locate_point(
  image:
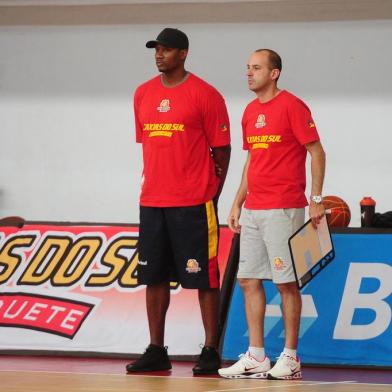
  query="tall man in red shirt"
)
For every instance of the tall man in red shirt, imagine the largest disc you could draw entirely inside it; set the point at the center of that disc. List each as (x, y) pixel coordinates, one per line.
(278, 131)
(183, 126)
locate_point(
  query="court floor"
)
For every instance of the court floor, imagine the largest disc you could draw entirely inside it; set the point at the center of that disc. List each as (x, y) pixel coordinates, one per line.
(60, 374)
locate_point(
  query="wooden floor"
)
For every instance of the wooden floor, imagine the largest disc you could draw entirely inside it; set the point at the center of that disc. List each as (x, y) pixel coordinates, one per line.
(45, 374)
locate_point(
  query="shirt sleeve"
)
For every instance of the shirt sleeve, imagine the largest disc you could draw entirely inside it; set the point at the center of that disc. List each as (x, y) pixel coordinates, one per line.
(302, 123)
(138, 125)
(245, 144)
(215, 119)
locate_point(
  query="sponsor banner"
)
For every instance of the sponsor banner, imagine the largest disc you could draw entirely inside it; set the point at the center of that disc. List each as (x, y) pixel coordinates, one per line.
(74, 288)
(42, 313)
(347, 308)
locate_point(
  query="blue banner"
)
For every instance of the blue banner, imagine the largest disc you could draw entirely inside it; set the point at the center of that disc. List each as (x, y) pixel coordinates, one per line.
(347, 308)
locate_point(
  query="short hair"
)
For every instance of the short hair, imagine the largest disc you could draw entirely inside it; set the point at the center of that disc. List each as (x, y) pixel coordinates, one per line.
(273, 57)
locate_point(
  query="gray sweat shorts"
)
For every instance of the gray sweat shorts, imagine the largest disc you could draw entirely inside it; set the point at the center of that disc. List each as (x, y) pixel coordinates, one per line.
(264, 249)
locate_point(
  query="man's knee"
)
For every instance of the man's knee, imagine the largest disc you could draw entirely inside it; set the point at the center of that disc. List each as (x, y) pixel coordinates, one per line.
(249, 285)
(288, 288)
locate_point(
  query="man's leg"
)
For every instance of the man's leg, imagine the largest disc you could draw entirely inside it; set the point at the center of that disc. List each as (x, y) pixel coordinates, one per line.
(157, 303)
(291, 306)
(288, 366)
(254, 298)
(155, 357)
(253, 268)
(154, 255)
(209, 360)
(281, 225)
(209, 307)
(193, 235)
(254, 363)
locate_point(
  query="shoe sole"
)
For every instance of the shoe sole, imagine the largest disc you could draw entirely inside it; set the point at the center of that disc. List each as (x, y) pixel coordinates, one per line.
(295, 376)
(247, 375)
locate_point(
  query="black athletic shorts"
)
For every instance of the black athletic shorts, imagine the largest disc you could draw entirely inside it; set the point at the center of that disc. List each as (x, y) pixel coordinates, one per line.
(179, 244)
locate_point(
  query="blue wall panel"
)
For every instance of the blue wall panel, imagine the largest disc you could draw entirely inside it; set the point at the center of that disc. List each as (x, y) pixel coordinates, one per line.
(346, 317)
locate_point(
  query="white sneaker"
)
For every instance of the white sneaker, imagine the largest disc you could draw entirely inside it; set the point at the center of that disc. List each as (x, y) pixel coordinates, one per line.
(247, 367)
(286, 368)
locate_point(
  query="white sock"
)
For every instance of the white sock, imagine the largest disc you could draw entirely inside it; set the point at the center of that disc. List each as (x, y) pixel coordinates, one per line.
(257, 353)
(289, 351)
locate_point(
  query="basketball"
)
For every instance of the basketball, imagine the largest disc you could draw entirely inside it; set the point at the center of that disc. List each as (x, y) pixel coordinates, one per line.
(337, 211)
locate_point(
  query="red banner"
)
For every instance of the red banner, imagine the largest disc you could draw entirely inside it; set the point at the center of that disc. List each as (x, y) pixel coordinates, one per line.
(79, 282)
(47, 314)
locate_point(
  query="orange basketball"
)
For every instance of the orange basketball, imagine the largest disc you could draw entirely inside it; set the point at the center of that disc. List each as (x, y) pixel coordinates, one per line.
(337, 211)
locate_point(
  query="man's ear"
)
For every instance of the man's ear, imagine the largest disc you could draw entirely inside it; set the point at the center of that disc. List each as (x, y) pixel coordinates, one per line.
(275, 73)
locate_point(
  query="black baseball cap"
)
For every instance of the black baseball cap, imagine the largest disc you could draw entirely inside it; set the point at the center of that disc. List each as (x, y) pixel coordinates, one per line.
(172, 38)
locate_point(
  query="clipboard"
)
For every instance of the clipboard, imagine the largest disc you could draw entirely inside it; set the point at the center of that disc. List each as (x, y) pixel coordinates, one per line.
(311, 251)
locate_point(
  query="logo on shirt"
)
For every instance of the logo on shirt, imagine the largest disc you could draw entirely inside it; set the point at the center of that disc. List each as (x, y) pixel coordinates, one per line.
(263, 141)
(223, 128)
(260, 123)
(311, 124)
(192, 266)
(164, 106)
(163, 129)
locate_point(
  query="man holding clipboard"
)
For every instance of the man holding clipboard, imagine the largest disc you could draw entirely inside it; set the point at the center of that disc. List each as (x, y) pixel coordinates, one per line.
(278, 132)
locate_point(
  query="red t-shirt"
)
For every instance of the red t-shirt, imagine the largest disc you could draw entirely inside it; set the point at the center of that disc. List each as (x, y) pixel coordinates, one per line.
(275, 133)
(177, 127)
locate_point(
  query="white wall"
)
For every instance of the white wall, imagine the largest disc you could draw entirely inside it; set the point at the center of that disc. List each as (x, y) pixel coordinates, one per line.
(67, 148)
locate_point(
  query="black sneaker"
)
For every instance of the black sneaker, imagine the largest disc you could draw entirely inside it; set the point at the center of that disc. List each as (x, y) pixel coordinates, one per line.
(209, 361)
(154, 358)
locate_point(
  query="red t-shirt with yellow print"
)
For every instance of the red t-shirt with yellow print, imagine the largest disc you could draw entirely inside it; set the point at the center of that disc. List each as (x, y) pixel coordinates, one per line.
(275, 133)
(177, 126)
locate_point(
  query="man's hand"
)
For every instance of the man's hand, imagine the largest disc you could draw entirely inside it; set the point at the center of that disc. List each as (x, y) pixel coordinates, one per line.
(221, 157)
(316, 212)
(234, 220)
(218, 170)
